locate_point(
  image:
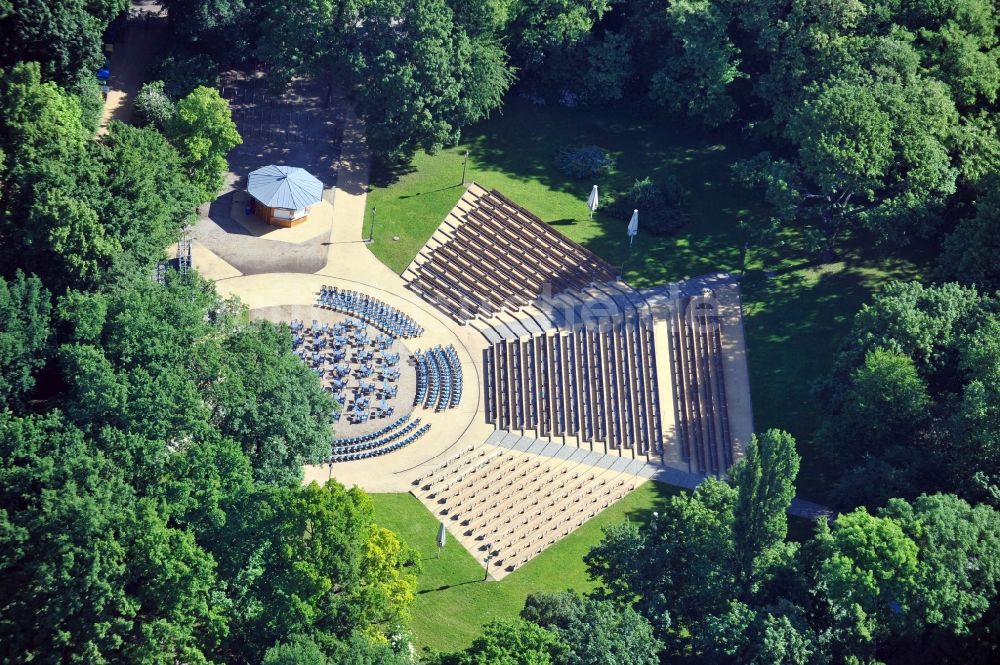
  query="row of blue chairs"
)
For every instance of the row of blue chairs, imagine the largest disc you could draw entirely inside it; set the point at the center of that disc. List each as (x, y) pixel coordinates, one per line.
(455, 369)
(384, 317)
(439, 378)
(386, 439)
(373, 435)
(376, 452)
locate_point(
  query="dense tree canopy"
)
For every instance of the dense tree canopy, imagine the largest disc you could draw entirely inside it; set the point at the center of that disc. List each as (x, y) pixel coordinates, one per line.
(176, 363)
(24, 335)
(419, 76)
(596, 631)
(511, 642)
(64, 35)
(912, 397)
(867, 588)
(98, 568)
(152, 436)
(203, 132)
(92, 573)
(309, 560)
(971, 250)
(92, 213)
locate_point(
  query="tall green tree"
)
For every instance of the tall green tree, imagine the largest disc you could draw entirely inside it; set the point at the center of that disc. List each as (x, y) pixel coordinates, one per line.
(867, 154)
(175, 363)
(510, 642)
(974, 426)
(88, 573)
(147, 198)
(203, 132)
(413, 71)
(696, 73)
(679, 569)
(958, 559)
(765, 485)
(970, 251)
(25, 330)
(542, 31)
(911, 404)
(263, 396)
(43, 144)
(83, 214)
(609, 68)
(770, 636)
(310, 560)
(869, 573)
(221, 29)
(423, 82)
(882, 408)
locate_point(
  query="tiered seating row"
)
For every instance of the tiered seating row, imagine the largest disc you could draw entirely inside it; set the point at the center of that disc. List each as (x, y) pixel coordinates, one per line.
(500, 256)
(375, 312)
(699, 387)
(594, 384)
(439, 378)
(515, 505)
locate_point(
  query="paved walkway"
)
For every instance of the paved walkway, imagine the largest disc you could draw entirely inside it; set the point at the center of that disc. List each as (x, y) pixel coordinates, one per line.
(349, 264)
(248, 245)
(146, 28)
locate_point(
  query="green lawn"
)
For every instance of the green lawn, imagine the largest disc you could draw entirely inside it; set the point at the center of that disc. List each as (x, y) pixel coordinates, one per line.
(453, 602)
(794, 320)
(515, 153)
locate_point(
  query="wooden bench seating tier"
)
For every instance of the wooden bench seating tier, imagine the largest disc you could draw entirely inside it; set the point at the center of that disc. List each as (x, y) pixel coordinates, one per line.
(699, 388)
(492, 255)
(595, 384)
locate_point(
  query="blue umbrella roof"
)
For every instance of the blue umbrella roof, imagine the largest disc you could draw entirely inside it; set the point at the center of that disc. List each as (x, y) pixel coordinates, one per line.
(284, 187)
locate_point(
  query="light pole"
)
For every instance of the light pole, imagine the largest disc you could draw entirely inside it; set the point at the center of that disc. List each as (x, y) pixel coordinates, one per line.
(371, 233)
(489, 556)
(465, 163)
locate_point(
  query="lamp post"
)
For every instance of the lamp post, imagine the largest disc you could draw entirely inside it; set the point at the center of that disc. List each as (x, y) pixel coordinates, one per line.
(465, 164)
(489, 557)
(371, 233)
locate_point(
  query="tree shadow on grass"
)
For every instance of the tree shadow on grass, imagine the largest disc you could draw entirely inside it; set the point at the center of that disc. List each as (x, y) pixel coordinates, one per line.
(523, 143)
(795, 322)
(657, 259)
(445, 587)
(663, 493)
(384, 173)
(433, 191)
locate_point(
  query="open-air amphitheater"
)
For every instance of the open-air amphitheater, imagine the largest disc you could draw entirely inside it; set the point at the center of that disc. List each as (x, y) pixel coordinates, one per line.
(533, 388)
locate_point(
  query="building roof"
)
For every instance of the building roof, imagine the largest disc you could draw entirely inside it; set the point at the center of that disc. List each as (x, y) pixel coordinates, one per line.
(284, 187)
